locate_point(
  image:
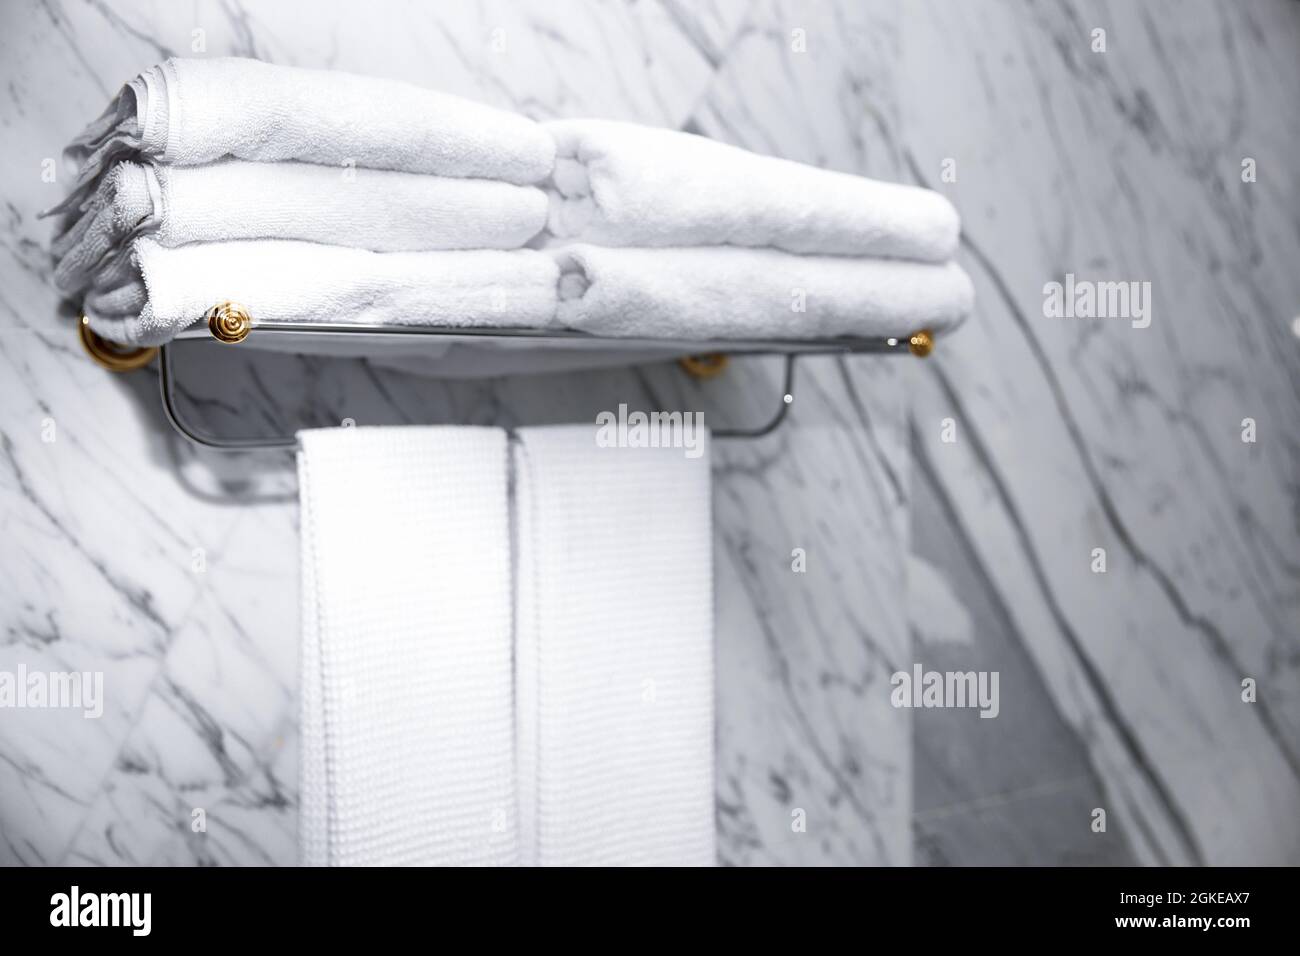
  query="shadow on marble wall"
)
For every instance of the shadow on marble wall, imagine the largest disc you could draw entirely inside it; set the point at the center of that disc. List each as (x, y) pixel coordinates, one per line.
(1016, 790)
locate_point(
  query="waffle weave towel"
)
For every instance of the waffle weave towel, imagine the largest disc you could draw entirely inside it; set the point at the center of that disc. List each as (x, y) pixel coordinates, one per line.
(614, 651)
(407, 729)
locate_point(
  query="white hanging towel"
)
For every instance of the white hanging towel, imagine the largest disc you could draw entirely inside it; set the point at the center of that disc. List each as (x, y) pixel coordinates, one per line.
(621, 184)
(614, 651)
(148, 296)
(407, 728)
(376, 209)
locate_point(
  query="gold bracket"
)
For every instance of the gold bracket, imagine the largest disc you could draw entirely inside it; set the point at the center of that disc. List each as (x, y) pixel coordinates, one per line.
(704, 366)
(921, 343)
(229, 322)
(110, 355)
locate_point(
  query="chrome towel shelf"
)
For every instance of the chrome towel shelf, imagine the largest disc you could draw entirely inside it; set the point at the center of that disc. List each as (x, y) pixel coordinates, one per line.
(514, 350)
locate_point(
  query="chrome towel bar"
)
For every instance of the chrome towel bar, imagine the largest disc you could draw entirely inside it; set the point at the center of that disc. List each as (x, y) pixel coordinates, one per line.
(230, 324)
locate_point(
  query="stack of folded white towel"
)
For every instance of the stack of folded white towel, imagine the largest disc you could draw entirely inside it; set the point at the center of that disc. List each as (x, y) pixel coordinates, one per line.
(304, 195)
(693, 236)
(309, 196)
(507, 646)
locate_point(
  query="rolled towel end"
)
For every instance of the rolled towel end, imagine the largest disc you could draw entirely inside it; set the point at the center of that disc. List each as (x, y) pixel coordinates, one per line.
(573, 283)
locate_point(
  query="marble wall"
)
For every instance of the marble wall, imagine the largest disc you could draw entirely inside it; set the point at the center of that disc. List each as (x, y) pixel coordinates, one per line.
(174, 571)
(1074, 434)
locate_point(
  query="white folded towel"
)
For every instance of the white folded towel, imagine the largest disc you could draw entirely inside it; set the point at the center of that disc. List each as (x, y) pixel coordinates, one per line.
(614, 651)
(620, 184)
(158, 291)
(380, 210)
(186, 112)
(727, 292)
(407, 717)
